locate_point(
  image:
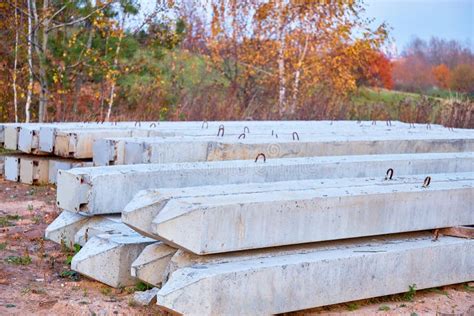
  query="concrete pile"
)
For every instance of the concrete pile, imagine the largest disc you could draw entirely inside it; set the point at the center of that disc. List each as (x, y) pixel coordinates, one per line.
(258, 217)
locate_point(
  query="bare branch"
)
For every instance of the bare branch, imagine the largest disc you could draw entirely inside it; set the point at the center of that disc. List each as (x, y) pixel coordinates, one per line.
(84, 18)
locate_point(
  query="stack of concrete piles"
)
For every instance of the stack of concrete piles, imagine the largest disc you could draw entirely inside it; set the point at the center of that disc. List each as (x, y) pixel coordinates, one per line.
(270, 217)
(40, 150)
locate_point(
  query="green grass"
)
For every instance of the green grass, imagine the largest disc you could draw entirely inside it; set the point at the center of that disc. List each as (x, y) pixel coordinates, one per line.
(6, 221)
(352, 307)
(384, 308)
(69, 274)
(141, 286)
(468, 288)
(72, 253)
(438, 291)
(3, 246)
(17, 260)
(4, 151)
(410, 295)
(366, 98)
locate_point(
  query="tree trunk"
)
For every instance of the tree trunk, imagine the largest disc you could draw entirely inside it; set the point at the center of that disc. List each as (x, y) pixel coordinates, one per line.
(296, 84)
(30, 65)
(15, 63)
(115, 66)
(281, 62)
(41, 52)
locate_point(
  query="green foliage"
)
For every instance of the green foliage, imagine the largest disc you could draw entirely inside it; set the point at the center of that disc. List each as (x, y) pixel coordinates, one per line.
(468, 288)
(384, 308)
(438, 291)
(3, 246)
(18, 260)
(6, 221)
(141, 286)
(410, 295)
(106, 291)
(352, 307)
(73, 275)
(75, 250)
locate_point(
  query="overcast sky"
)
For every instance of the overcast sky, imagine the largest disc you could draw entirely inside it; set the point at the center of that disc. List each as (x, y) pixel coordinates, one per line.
(448, 19)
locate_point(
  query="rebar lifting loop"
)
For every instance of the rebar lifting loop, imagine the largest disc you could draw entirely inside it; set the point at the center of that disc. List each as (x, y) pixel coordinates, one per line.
(261, 155)
(221, 128)
(297, 136)
(246, 129)
(152, 125)
(205, 122)
(427, 182)
(241, 136)
(389, 174)
(138, 123)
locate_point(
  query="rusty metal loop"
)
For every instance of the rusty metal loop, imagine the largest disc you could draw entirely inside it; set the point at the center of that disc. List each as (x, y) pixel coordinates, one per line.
(152, 125)
(138, 123)
(389, 174)
(246, 128)
(297, 136)
(427, 182)
(276, 135)
(221, 128)
(261, 155)
(205, 122)
(242, 136)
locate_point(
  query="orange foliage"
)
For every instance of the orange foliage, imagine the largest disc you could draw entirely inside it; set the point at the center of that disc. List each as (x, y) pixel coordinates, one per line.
(442, 75)
(377, 70)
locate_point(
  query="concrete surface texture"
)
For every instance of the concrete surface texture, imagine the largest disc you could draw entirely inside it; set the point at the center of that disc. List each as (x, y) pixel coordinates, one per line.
(225, 223)
(108, 257)
(64, 164)
(152, 263)
(12, 168)
(147, 204)
(34, 170)
(71, 228)
(347, 272)
(94, 190)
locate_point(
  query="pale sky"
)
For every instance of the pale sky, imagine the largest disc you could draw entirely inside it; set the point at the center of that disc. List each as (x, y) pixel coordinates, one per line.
(447, 19)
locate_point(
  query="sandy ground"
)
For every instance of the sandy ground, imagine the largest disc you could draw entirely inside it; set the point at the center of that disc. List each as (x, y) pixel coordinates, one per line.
(31, 268)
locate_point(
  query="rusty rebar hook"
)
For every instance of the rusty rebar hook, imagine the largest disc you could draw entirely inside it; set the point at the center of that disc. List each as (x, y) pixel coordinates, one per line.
(152, 125)
(297, 136)
(241, 136)
(427, 182)
(138, 123)
(221, 128)
(246, 128)
(205, 122)
(261, 155)
(389, 174)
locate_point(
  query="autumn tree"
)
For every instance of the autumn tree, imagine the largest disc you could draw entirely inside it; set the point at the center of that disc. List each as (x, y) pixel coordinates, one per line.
(291, 47)
(441, 75)
(462, 78)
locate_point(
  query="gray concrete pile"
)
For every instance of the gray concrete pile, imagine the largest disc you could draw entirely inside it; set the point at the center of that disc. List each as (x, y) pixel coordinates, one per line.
(257, 217)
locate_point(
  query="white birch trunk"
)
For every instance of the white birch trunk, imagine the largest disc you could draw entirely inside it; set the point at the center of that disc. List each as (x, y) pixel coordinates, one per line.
(117, 52)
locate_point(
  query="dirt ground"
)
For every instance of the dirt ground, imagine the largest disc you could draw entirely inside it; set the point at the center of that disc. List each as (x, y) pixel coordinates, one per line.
(35, 279)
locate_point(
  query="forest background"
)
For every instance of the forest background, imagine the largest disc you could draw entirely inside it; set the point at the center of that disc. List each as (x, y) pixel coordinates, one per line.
(93, 60)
